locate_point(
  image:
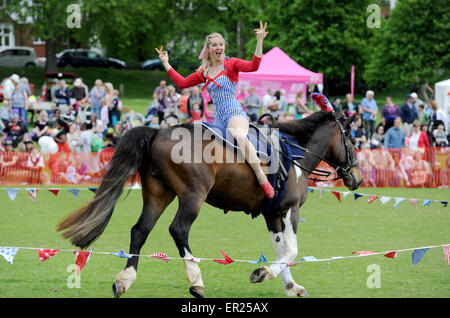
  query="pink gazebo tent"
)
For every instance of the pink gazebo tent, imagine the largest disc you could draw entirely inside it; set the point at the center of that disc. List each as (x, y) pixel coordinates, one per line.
(278, 71)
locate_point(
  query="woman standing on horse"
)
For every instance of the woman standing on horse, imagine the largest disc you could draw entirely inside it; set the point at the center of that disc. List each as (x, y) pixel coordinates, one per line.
(220, 75)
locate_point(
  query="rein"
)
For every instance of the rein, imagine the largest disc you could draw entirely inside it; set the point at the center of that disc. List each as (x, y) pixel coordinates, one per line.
(341, 172)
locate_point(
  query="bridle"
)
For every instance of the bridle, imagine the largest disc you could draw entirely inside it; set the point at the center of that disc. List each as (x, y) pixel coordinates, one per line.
(342, 172)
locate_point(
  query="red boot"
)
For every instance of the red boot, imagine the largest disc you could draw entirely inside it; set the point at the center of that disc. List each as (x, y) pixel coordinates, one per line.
(268, 189)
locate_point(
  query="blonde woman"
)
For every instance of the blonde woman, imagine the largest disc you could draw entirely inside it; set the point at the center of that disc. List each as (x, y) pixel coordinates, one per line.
(220, 75)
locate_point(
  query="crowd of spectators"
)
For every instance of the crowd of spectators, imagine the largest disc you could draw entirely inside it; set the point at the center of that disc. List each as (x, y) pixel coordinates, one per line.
(85, 124)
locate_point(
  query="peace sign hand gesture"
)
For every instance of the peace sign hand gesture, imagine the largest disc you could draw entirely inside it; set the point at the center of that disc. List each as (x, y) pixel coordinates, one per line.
(163, 55)
(261, 32)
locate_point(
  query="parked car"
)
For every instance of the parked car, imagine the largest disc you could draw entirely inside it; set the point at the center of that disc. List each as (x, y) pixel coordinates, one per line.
(18, 56)
(86, 58)
(153, 64)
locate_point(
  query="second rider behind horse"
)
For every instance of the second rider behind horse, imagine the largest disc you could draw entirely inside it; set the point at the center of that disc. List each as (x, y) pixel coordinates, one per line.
(220, 75)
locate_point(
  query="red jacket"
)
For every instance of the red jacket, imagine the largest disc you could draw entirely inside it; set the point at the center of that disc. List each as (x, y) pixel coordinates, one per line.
(423, 140)
(232, 67)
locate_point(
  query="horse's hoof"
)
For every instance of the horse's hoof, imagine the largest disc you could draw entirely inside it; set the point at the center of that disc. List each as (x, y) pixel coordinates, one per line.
(118, 289)
(302, 293)
(258, 275)
(197, 291)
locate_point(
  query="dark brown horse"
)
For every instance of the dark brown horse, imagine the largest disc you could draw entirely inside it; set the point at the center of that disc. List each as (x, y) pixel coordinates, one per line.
(155, 155)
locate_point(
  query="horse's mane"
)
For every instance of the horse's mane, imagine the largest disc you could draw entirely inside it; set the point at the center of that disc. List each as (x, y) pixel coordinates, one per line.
(305, 127)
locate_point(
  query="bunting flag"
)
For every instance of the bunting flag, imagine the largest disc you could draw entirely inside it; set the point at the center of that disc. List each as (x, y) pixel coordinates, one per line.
(357, 196)
(92, 189)
(45, 254)
(8, 253)
(32, 193)
(344, 194)
(417, 255)
(81, 259)
(385, 200)
(74, 192)
(161, 256)
(397, 202)
(372, 198)
(12, 193)
(391, 254)
(446, 249)
(427, 202)
(54, 191)
(337, 195)
(309, 259)
(363, 252)
(226, 261)
(262, 259)
(122, 254)
(413, 202)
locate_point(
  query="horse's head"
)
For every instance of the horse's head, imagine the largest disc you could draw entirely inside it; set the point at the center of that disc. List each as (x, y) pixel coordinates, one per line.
(341, 152)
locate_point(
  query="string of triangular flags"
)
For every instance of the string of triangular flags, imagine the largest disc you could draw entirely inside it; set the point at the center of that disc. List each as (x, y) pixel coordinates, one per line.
(33, 192)
(83, 257)
(341, 195)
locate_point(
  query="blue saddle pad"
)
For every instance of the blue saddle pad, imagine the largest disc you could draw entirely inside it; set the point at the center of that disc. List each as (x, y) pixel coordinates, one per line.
(290, 149)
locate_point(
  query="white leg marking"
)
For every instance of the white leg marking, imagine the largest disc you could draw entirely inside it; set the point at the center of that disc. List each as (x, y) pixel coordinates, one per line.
(127, 277)
(194, 276)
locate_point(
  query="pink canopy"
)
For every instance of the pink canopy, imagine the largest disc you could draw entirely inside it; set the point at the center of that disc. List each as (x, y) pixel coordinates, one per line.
(279, 72)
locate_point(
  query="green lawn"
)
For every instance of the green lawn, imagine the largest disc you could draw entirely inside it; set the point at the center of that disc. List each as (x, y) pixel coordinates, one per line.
(331, 229)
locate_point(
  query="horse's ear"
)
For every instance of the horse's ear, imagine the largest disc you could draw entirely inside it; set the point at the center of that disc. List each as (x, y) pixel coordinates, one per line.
(348, 121)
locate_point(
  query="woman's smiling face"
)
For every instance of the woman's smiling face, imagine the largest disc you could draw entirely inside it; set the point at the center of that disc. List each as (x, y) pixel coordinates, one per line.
(217, 49)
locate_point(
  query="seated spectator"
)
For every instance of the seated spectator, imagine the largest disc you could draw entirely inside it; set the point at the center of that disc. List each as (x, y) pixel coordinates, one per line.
(357, 132)
(26, 144)
(52, 120)
(377, 137)
(420, 171)
(79, 90)
(154, 122)
(437, 117)
(35, 164)
(384, 166)
(405, 165)
(62, 94)
(60, 135)
(349, 107)
(8, 158)
(418, 139)
(195, 99)
(367, 165)
(252, 103)
(431, 139)
(440, 136)
(41, 127)
(15, 129)
(395, 136)
(183, 105)
(389, 112)
(196, 114)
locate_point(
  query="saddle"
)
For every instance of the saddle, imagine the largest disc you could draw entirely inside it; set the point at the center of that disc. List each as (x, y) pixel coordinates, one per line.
(277, 148)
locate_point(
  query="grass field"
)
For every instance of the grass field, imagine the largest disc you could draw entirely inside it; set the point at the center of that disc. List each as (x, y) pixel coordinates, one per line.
(331, 229)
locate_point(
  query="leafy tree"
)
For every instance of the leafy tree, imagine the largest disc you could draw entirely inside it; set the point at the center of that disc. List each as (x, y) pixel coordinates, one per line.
(327, 36)
(413, 43)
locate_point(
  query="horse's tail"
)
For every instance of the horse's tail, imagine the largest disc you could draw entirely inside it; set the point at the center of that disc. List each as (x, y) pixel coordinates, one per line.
(87, 223)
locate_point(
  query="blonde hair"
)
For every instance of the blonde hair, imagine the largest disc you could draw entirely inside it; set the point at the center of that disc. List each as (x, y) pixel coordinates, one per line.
(109, 87)
(207, 60)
